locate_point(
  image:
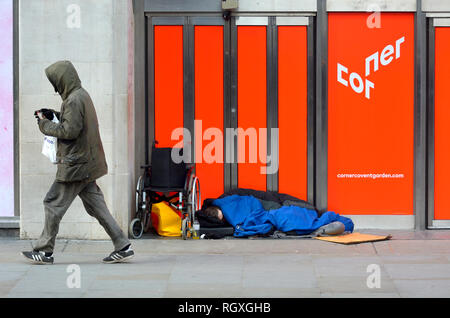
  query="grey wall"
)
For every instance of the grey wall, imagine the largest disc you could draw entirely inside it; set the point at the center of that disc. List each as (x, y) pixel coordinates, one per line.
(98, 47)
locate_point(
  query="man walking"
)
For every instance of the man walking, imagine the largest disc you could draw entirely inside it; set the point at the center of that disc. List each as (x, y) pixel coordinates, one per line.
(80, 159)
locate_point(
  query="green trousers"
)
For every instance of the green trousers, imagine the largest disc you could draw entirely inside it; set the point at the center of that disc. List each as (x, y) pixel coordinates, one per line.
(60, 197)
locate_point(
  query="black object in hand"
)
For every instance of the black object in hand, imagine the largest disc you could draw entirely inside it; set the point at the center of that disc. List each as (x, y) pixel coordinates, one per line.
(47, 113)
(36, 115)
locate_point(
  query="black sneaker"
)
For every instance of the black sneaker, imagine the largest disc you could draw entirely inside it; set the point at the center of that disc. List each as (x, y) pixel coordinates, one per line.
(36, 257)
(120, 256)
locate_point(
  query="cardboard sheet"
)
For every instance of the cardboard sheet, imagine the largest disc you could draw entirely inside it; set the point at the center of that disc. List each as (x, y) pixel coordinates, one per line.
(354, 238)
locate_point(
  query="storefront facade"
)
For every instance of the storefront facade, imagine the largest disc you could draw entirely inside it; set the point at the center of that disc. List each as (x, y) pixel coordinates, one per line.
(346, 91)
(337, 102)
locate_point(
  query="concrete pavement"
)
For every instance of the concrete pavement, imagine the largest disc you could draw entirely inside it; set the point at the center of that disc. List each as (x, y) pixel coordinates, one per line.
(411, 264)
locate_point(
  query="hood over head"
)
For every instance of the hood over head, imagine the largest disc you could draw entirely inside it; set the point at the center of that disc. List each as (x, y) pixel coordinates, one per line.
(63, 77)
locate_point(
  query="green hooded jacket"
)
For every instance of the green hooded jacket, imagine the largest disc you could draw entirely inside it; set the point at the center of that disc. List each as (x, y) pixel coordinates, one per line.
(80, 155)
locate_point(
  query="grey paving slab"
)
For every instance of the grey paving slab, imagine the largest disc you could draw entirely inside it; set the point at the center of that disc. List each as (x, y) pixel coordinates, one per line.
(276, 260)
(329, 248)
(418, 271)
(437, 234)
(54, 283)
(45, 294)
(419, 247)
(412, 264)
(93, 246)
(155, 287)
(359, 295)
(414, 259)
(6, 277)
(14, 264)
(125, 294)
(16, 245)
(205, 290)
(302, 277)
(280, 292)
(355, 284)
(199, 275)
(344, 266)
(8, 280)
(426, 288)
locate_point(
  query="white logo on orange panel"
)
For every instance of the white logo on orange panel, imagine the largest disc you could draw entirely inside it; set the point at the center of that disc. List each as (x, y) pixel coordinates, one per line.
(360, 84)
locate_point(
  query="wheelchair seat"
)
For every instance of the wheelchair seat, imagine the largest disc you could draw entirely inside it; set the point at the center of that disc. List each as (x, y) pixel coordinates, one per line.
(165, 175)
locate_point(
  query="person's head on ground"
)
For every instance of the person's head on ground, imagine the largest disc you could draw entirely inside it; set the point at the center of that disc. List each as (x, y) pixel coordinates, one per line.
(214, 212)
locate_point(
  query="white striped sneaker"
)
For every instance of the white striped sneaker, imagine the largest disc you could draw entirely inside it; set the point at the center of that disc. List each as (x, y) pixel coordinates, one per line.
(38, 257)
(119, 256)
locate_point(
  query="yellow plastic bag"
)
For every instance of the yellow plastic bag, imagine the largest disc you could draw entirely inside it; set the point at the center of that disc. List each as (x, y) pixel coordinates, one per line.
(166, 220)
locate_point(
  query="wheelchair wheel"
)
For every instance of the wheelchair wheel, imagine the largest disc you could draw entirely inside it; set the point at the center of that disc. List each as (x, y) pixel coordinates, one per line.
(136, 228)
(139, 193)
(143, 206)
(193, 204)
(196, 196)
(195, 199)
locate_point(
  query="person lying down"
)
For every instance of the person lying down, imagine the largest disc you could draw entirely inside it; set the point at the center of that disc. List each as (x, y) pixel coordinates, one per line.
(252, 212)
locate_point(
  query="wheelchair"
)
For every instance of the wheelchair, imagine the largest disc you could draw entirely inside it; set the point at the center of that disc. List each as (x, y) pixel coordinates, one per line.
(166, 181)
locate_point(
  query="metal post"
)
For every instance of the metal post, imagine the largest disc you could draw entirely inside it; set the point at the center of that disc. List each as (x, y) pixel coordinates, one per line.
(420, 95)
(430, 123)
(311, 109)
(189, 86)
(233, 102)
(272, 97)
(321, 107)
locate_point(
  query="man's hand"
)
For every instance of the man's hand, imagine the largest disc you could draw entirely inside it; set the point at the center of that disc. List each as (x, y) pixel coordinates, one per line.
(38, 115)
(47, 113)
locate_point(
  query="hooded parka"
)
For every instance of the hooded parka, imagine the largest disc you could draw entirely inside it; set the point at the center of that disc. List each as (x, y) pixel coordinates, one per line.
(80, 155)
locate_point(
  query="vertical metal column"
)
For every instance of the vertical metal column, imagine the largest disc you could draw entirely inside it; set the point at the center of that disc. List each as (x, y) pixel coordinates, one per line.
(420, 116)
(321, 184)
(430, 122)
(226, 100)
(311, 109)
(150, 91)
(189, 86)
(233, 103)
(272, 98)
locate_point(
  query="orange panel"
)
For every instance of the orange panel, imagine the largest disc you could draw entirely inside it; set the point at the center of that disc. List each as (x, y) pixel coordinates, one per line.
(371, 129)
(292, 110)
(209, 108)
(252, 105)
(442, 128)
(168, 48)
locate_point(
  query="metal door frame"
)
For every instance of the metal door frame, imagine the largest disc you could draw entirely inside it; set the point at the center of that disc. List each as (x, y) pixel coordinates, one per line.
(432, 22)
(188, 21)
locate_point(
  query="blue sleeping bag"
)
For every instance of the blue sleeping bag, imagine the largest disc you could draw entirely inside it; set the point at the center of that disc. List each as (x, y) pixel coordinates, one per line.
(248, 217)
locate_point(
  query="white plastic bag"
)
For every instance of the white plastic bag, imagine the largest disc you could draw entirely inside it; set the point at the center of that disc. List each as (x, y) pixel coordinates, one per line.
(49, 146)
